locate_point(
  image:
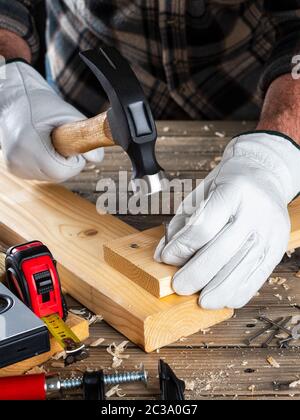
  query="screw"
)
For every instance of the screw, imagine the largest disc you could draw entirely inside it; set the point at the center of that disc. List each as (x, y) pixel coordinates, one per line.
(126, 377)
(54, 383)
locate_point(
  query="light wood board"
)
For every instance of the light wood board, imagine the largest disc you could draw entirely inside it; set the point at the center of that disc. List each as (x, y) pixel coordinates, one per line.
(133, 256)
(75, 233)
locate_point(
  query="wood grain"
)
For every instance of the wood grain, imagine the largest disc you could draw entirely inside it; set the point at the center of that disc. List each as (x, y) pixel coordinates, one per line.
(75, 233)
(133, 256)
(82, 136)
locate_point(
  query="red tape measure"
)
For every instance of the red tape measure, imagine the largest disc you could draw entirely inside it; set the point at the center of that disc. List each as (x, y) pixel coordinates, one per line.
(33, 277)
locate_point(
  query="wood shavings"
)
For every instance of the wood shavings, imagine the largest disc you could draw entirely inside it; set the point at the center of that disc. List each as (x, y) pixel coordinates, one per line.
(219, 134)
(117, 353)
(115, 390)
(294, 384)
(88, 316)
(60, 355)
(166, 129)
(79, 312)
(206, 128)
(251, 388)
(95, 319)
(36, 370)
(58, 365)
(276, 281)
(190, 385)
(281, 336)
(244, 363)
(295, 320)
(272, 362)
(279, 297)
(281, 281)
(204, 332)
(290, 253)
(97, 343)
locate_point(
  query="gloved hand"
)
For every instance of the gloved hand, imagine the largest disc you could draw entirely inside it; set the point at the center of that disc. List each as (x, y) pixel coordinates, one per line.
(230, 242)
(29, 110)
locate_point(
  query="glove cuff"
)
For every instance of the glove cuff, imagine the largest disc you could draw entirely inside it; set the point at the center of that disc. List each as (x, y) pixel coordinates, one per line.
(17, 60)
(276, 152)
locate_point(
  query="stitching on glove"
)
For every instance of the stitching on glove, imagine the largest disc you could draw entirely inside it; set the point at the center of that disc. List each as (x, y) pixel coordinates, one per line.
(53, 157)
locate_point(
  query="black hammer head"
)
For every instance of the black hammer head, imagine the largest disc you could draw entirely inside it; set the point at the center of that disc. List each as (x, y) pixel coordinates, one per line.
(130, 117)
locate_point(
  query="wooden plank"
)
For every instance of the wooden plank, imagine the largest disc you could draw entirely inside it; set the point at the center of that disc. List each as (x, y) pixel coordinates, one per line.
(78, 325)
(75, 233)
(133, 256)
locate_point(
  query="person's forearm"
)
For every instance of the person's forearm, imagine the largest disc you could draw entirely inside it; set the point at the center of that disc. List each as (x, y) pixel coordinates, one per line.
(281, 110)
(13, 46)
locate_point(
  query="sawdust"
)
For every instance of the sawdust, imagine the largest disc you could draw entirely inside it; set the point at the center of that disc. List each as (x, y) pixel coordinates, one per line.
(272, 362)
(116, 351)
(294, 384)
(87, 315)
(115, 390)
(209, 382)
(36, 370)
(295, 320)
(97, 343)
(190, 385)
(95, 319)
(60, 355)
(58, 365)
(219, 134)
(277, 281)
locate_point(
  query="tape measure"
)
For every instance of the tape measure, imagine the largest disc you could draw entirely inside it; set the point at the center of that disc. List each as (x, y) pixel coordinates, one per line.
(32, 276)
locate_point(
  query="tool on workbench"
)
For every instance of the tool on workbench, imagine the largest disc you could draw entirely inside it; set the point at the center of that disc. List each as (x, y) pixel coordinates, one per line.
(171, 388)
(260, 332)
(22, 333)
(128, 123)
(42, 387)
(273, 334)
(31, 274)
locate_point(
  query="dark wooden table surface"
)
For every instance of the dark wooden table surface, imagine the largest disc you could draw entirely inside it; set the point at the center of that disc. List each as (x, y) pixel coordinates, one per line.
(216, 363)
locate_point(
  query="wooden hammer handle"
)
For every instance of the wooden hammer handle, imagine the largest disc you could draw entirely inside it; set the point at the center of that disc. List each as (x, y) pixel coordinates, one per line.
(82, 136)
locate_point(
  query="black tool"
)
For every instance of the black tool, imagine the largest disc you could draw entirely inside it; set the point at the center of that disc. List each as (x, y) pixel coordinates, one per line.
(128, 123)
(22, 333)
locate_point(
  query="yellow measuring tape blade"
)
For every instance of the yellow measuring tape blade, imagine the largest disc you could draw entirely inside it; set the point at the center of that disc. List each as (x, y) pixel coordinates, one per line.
(61, 332)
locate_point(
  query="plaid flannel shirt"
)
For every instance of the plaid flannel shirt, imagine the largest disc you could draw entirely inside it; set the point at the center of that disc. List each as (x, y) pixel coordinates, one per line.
(199, 59)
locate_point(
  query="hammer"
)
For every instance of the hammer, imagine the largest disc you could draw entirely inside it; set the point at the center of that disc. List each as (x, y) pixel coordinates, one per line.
(128, 123)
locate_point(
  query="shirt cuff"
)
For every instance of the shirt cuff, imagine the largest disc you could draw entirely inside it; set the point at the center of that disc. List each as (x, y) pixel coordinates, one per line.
(16, 18)
(280, 62)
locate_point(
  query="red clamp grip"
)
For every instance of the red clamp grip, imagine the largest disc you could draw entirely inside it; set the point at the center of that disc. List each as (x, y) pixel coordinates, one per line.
(23, 388)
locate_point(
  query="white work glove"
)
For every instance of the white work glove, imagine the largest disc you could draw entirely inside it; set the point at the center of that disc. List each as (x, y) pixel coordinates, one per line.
(29, 110)
(230, 243)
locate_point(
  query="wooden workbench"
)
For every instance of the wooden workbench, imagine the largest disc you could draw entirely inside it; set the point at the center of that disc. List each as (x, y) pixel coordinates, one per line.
(218, 362)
